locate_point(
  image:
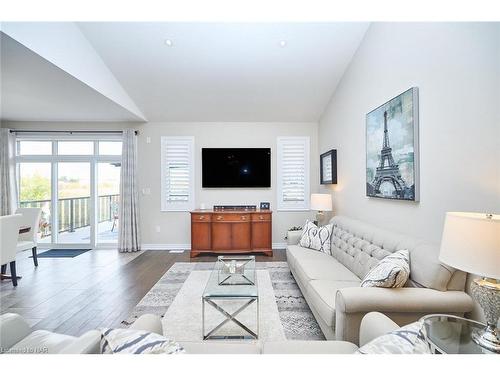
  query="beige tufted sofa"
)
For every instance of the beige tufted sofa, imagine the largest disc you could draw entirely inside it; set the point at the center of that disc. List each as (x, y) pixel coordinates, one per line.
(331, 284)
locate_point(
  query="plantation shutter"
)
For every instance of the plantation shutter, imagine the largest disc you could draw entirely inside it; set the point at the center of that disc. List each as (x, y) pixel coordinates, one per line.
(293, 173)
(177, 173)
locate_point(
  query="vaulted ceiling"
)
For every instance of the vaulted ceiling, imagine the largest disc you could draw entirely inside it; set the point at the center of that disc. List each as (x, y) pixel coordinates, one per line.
(200, 71)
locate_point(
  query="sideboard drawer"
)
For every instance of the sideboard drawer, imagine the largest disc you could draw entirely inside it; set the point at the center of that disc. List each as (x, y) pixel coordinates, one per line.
(232, 217)
(201, 217)
(261, 217)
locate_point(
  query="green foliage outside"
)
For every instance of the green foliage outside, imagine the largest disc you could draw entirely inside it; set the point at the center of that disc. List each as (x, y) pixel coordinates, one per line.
(35, 187)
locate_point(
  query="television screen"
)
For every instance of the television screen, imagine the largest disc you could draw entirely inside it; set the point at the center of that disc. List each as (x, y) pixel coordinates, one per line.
(236, 167)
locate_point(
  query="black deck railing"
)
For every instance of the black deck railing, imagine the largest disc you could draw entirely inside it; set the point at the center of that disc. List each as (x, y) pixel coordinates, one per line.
(74, 213)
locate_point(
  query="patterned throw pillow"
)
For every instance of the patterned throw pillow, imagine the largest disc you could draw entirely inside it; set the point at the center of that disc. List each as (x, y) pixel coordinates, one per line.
(317, 238)
(391, 272)
(130, 341)
(405, 340)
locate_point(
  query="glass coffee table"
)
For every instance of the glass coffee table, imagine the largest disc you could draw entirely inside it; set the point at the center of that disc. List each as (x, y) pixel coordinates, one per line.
(232, 281)
(448, 334)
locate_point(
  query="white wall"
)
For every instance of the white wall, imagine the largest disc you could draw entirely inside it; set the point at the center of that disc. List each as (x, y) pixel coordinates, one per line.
(175, 226)
(457, 70)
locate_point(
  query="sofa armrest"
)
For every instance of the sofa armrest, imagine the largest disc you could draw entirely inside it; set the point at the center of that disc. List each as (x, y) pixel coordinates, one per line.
(148, 322)
(403, 305)
(88, 343)
(13, 328)
(428, 301)
(373, 325)
(293, 237)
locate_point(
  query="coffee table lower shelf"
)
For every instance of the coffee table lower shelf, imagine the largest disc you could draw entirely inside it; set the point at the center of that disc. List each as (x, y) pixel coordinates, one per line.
(230, 317)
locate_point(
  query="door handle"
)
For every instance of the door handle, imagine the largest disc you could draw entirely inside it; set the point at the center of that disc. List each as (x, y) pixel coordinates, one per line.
(219, 217)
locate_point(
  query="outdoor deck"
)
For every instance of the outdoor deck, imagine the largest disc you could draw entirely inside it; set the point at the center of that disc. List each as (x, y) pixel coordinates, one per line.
(82, 235)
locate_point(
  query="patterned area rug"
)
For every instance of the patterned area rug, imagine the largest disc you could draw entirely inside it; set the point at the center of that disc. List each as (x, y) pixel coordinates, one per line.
(296, 317)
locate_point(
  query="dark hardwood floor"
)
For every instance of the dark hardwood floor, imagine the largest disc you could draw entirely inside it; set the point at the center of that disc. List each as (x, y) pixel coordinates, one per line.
(96, 289)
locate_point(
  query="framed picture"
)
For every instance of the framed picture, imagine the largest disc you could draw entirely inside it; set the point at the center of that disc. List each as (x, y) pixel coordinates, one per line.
(328, 167)
(392, 168)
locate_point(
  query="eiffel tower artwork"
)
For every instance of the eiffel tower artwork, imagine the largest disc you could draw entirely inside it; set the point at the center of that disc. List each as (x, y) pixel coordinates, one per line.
(392, 168)
(388, 170)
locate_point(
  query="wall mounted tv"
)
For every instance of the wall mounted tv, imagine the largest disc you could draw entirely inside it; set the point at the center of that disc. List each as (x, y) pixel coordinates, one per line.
(236, 167)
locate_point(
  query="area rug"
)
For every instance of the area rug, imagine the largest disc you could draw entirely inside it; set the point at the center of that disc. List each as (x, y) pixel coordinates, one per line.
(176, 297)
(61, 253)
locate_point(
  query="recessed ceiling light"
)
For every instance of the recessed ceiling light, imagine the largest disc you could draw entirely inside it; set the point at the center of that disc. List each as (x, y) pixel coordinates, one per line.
(282, 43)
(168, 42)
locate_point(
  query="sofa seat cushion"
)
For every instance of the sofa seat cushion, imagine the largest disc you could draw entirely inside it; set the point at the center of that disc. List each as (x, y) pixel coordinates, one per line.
(309, 347)
(315, 265)
(41, 341)
(322, 296)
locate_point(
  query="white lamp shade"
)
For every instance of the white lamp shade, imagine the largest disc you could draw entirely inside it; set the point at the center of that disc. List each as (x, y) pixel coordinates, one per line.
(471, 243)
(321, 202)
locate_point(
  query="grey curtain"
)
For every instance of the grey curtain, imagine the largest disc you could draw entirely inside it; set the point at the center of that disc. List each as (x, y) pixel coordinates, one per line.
(129, 237)
(8, 187)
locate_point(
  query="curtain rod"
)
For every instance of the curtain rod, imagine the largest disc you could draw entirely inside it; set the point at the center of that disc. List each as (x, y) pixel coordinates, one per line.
(72, 131)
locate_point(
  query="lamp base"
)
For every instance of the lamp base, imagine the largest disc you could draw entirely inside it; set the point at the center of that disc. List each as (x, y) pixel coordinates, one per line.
(489, 340)
(319, 218)
(487, 293)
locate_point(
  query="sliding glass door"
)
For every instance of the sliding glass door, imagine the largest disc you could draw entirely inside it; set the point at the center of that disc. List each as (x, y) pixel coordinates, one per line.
(74, 203)
(76, 183)
(35, 190)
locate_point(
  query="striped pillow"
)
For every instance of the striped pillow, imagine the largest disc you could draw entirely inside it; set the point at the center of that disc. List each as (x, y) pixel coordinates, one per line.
(405, 340)
(130, 341)
(317, 238)
(391, 272)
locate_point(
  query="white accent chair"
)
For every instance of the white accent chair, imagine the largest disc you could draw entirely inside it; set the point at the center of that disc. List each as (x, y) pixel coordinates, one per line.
(28, 240)
(9, 231)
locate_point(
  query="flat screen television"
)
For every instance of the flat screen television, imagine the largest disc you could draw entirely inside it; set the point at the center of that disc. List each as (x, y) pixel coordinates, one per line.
(236, 167)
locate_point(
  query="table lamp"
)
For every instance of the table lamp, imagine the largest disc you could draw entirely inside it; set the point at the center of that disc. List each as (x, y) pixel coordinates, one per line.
(471, 243)
(321, 203)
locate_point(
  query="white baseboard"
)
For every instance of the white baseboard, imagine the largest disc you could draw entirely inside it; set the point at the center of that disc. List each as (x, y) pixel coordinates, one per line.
(187, 246)
(166, 246)
(279, 245)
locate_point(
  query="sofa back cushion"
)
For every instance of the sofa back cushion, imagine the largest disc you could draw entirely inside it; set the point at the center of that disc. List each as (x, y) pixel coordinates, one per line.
(360, 246)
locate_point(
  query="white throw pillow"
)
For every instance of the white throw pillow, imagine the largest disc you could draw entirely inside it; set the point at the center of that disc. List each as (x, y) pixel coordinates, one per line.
(391, 272)
(405, 340)
(317, 238)
(132, 341)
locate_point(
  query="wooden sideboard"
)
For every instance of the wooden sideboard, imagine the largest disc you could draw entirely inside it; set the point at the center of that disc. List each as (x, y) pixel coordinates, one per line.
(231, 232)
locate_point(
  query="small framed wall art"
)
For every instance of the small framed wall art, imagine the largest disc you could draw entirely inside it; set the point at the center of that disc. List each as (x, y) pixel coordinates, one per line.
(328, 167)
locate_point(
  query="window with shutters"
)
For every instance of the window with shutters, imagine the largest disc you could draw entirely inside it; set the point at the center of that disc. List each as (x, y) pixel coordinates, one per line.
(293, 173)
(177, 173)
